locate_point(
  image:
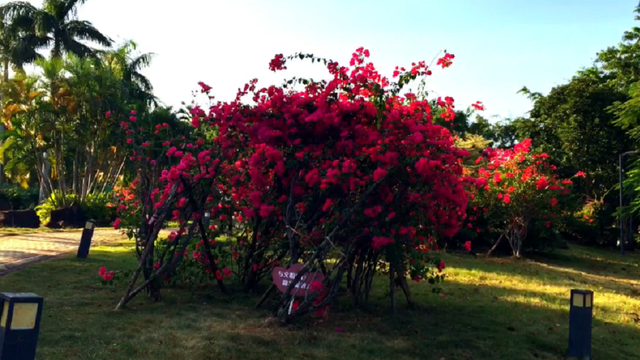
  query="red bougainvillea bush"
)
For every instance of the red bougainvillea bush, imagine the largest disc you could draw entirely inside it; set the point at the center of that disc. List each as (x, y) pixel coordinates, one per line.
(519, 198)
(345, 176)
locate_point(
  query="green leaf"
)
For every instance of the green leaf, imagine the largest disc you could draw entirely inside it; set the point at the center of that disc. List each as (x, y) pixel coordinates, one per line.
(5, 145)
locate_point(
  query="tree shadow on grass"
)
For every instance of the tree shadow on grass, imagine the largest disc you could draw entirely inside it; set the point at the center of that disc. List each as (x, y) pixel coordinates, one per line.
(471, 321)
(468, 323)
(607, 262)
(556, 270)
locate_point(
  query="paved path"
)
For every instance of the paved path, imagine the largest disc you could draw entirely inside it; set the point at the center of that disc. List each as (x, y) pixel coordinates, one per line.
(17, 251)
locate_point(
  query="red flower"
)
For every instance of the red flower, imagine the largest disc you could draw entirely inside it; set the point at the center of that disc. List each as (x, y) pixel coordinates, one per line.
(108, 276)
(313, 177)
(379, 174)
(204, 87)
(327, 205)
(265, 210)
(506, 198)
(554, 202)
(445, 61)
(478, 106)
(580, 174)
(380, 241)
(116, 224)
(374, 211)
(467, 246)
(277, 63)
(542, 183)
(441, 266)
(102, 271)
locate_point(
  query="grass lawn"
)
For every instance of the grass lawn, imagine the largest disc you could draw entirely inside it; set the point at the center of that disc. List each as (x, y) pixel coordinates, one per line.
(491, 309)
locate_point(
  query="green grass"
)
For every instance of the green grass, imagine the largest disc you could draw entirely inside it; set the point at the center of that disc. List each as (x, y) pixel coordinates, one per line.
(491, 309)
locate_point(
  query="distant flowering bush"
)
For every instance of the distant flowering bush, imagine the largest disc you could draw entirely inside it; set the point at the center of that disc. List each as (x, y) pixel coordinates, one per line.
(516, 192)
(346, 176)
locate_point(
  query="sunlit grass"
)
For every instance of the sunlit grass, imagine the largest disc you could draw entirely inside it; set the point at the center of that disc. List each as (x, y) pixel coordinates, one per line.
(489, 309)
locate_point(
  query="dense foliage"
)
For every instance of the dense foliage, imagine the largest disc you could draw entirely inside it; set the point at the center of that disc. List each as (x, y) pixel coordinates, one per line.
(343, 176)
(521, 199)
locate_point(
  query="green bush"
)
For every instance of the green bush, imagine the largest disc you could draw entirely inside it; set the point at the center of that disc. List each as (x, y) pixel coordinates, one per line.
(95, 207)
(595, 224)
(18, 197)
(54, 202)
(98, 207)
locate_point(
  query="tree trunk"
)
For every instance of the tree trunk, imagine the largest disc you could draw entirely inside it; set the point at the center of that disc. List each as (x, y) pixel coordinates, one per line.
(46, 187)
(2, 180)
(392, 288)
(58, 166)
(495, 246)
(402, 277)
(86, 182)
(5, 78)
(74, 180)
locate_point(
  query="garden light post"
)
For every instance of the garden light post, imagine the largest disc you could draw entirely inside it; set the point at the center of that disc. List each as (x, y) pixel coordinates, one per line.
(206, 219)
(580, 318)
(620, 160)
(85, 240)
(19, 325)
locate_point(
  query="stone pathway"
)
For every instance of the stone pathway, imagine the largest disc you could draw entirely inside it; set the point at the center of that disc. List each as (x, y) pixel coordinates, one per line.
(18, 251)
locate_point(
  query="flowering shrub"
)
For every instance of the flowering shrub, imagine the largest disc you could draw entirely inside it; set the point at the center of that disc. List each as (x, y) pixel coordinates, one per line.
(518, 196)
(106, 276)
(345, 168)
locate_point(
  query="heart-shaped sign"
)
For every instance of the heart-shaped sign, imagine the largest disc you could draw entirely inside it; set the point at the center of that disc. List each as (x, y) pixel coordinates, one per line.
(283, 277)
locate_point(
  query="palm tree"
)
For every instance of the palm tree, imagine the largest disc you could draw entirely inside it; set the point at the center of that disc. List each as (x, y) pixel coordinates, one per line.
(57, 24)
(128, 64)
(18, 46)
(54, 24)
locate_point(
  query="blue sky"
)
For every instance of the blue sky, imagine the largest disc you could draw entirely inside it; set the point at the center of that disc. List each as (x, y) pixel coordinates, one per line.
(500, 45)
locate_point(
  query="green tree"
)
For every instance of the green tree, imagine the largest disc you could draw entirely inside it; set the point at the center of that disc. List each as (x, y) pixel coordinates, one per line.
(57, 23)
(128, 64)
(620, 64)
(573, 124)
(17, 47)
(25, 113)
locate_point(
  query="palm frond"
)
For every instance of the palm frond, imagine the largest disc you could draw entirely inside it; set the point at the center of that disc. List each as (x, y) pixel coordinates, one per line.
(84, 30)
(69, 8)
(141, 61)
(17, 8)
(142, 81)
(44, 23)
(24, 51)
(77, 48)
